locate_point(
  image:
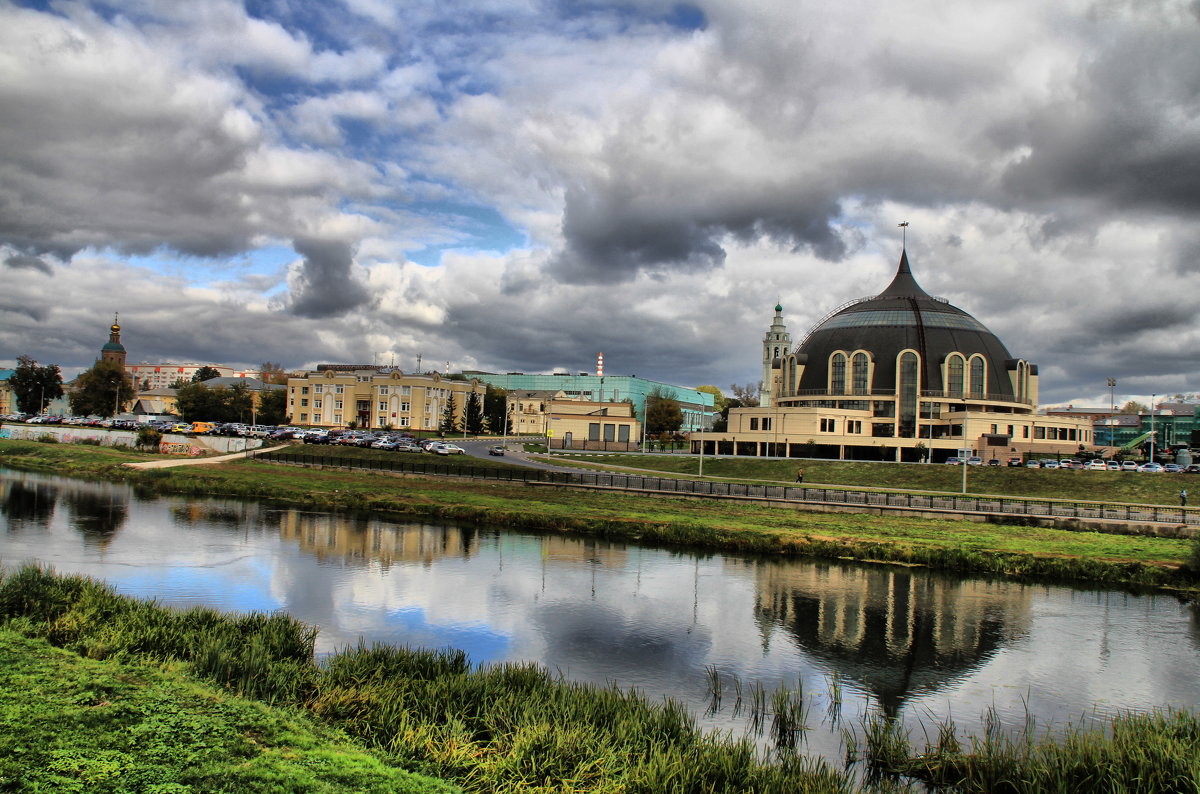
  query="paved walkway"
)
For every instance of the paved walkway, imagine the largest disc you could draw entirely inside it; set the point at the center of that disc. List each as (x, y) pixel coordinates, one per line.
(167, 464)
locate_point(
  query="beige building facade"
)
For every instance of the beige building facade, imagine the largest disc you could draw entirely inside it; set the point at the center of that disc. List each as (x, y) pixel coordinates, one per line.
(377, 398)
(572, 422)
(899, 376)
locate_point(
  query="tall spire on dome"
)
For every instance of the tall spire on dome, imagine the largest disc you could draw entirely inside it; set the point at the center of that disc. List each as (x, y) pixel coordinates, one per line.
(903, 284)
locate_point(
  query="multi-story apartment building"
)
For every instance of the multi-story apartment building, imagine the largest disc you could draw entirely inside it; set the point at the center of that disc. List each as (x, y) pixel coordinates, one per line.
(148, 376)
(375, 397)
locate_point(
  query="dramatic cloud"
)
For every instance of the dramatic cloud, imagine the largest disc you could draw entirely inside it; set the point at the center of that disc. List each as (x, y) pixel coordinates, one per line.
(519, 186)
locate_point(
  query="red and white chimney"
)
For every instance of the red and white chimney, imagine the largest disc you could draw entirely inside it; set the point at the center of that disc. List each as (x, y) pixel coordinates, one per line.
(600, 365)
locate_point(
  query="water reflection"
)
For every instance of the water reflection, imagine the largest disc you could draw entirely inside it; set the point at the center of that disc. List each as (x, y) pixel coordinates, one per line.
(97, 514)
(27, 503)
(896, 632)
(919, 644)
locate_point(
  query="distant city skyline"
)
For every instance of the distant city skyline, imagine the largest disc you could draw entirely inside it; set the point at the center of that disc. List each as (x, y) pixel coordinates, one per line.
(520, 186)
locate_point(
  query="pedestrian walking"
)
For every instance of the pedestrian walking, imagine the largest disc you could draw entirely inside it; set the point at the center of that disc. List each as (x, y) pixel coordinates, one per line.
(1183, 498)
(799, 475)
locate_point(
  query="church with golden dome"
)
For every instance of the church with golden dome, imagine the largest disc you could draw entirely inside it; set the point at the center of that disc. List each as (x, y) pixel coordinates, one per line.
(901, 376)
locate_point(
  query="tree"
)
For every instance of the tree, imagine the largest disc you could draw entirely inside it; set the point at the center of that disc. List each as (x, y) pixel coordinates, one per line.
(196, 403)
(473, 415)
(101, 390)
(495, 401)
(33, 386)
(748, 395)
(719, 398)
(449, 420)
(663, 414)
(205, 373)
(272, 407)
(1132, 407)
(273, 372)
(178, 382)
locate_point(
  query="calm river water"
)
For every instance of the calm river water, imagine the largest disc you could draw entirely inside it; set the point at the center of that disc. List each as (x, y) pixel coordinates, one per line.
(918, 644)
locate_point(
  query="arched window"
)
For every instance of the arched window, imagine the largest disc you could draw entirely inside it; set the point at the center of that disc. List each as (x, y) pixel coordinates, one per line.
(954, 376)
(907, 390)
(837, 374)
(858, 373)
(977, 376)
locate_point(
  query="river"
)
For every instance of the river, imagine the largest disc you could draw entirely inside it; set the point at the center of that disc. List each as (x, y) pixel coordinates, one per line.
(854, 638)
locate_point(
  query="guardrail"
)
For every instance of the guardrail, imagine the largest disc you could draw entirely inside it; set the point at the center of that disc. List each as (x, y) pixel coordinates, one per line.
(1011, 507)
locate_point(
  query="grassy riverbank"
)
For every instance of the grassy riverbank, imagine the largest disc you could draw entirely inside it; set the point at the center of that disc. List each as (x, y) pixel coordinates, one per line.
(1113, 560)
(75, 724)
(1106, 486)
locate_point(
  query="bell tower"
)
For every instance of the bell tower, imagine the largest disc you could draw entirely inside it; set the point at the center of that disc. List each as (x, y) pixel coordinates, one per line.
(777, 343)
(113, 350)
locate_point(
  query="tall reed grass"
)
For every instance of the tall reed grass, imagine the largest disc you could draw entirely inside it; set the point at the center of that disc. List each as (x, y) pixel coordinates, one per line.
(502, 728)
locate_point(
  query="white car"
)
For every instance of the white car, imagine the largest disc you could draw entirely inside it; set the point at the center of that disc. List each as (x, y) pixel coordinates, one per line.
(1096, 465)
(1151, 468)
(449, 449)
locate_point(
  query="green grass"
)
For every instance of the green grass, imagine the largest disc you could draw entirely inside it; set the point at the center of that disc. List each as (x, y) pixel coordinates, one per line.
(500, 729)
(1028, 551)
(72, 724)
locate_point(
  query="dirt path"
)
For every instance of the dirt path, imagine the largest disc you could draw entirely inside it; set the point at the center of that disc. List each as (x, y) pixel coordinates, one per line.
(167, 464)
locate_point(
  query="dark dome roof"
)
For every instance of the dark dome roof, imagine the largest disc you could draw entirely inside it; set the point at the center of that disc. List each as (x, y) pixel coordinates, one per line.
(113, 346)
(901, 317)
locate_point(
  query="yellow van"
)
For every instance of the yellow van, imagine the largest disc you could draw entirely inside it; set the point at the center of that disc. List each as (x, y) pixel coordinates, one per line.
(200, 428)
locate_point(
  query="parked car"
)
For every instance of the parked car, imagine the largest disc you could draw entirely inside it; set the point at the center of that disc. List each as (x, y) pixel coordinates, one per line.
(1015, 462)
(953, 461)
(974, 460)
(1096, 465)
(449, 449)
(385, 443)
(1113, 465)
(407, 446)
(1032, 464)
(496, 449)
(1151, 468)
(1050, 464)
(1128, 465)
(1172, 468)
(1192, 469)
(994, 462)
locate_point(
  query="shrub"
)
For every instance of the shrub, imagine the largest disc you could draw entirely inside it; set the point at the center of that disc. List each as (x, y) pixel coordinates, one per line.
(91, 442)
(47, 438)
(148, 438)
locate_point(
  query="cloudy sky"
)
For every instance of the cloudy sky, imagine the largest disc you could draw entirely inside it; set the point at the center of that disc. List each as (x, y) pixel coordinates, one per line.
(521, 184)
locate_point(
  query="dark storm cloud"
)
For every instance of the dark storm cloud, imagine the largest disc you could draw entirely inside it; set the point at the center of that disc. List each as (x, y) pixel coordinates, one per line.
(27, 262)
(612, 232)
(1125, 136)
(326, 285)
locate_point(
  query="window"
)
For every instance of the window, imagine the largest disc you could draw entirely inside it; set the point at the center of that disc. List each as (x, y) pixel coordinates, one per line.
(1039, 432)
(853, 425)
(303, 403)
(908, 388)
(337, 419)
(383, 389)
(404, 407)
(610, 432)
(338, 389)
(317, 404)
(593, 431)
(859, 373)
(317, 389)
(406, 390)
(337, 404)
(623, 433)
(954, 371)
(1010, 430)
(994, 430)
(303, 417)
(766, 423)
(977, 372)
(754, 423)
(304, 390)
(828, 425)
(837, 374)
(1025, 431)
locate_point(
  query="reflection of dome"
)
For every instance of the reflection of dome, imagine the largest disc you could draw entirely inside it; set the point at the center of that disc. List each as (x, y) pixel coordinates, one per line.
(895, 633)
(904, 317)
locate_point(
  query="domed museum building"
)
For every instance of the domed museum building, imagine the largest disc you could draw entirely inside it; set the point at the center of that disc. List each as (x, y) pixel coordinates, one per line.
(902, 376)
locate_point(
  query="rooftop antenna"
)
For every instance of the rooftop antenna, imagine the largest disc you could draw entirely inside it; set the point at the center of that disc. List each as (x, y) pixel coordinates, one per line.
(418, 363)
(904, 235)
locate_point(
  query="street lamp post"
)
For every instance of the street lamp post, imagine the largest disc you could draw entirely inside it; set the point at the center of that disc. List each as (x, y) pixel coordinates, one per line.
(963, 461)
(701, 445)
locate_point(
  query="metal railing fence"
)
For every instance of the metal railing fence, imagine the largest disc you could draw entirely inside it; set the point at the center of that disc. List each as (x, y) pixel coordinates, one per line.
(1014, 507)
